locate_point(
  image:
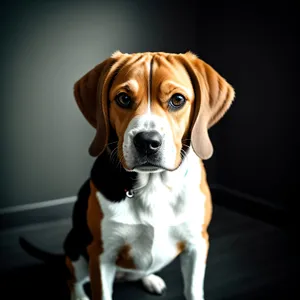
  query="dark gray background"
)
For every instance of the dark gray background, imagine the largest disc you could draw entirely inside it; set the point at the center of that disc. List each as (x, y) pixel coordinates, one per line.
(47, 45)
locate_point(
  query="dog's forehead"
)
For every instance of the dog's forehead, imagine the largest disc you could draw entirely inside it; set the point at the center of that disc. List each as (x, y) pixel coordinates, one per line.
(136, 66)
(160, 66)
(167, 69)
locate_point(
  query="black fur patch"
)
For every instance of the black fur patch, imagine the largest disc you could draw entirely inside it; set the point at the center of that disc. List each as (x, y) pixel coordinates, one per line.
(79, 236)
(111, 179)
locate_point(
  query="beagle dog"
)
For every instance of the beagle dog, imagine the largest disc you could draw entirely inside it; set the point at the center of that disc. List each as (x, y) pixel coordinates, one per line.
(147, 199)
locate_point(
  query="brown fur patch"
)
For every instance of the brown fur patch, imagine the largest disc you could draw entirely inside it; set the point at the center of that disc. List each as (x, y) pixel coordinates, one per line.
(124, 259)
(95, 249)
(180, 247)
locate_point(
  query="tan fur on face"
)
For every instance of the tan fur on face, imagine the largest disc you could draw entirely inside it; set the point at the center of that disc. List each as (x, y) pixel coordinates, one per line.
(168, 77)
(132, 79)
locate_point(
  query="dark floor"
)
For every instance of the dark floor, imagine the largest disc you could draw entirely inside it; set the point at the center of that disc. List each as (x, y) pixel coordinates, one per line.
(247, 260)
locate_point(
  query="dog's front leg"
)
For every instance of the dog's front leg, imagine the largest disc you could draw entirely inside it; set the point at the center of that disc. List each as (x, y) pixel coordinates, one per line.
(102, 276)
(193, 266)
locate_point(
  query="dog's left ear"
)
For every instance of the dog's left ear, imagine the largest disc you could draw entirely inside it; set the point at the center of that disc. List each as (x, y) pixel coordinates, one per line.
(91, 94)
(213, 97)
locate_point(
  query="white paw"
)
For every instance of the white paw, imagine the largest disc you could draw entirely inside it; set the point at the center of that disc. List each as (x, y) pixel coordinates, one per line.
(154, 284)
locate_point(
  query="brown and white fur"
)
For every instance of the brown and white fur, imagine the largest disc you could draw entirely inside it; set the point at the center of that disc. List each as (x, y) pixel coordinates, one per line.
(168, 208)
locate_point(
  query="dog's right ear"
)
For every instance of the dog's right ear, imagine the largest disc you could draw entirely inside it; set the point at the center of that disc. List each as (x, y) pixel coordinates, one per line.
(91, 94)
(213, 97)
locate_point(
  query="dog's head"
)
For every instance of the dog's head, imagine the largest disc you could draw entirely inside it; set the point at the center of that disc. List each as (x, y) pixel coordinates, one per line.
(154, 105)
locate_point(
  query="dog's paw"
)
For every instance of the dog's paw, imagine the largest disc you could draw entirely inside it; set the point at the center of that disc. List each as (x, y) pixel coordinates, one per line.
(154, 284)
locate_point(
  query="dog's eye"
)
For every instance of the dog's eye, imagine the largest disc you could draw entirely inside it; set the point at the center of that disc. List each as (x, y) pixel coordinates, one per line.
(123, 100)
(176, 102)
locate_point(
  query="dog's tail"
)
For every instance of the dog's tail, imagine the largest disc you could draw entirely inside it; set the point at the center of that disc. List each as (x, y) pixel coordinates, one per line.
(40, 254)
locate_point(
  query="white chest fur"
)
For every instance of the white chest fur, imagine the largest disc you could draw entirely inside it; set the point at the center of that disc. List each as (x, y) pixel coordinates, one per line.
(167, 208)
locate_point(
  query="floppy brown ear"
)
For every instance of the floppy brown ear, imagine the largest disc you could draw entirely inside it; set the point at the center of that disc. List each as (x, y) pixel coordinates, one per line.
(213, 97)
(91, 94)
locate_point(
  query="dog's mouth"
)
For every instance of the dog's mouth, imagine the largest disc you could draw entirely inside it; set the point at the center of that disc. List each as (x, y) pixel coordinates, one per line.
(148, 167)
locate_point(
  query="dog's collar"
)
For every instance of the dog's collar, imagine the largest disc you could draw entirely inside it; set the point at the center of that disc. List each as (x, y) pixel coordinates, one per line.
(130, 193)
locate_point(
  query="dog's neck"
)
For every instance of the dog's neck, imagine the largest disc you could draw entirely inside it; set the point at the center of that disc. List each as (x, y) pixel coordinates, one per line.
(115, 183)
(165, 177)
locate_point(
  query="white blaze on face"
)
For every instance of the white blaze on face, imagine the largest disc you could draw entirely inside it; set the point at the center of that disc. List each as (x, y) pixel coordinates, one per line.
(146, 122)
(150, 122)
(149, 88)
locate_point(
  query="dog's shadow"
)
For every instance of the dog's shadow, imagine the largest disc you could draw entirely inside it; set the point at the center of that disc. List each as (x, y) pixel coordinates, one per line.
(42, 281)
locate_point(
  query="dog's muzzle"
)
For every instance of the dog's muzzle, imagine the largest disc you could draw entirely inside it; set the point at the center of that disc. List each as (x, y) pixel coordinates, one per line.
(148, 145)
(147, 142)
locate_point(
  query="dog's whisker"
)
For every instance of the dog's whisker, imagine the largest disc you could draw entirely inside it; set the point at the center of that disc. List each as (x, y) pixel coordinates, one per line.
(113, 152)
(112, 143)
(114, 155)
(186, 145)
(184, 154)
(119, 160)
(186, 140)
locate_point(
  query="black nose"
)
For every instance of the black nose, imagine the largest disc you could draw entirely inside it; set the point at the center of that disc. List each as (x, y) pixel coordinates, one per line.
(147, 142)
